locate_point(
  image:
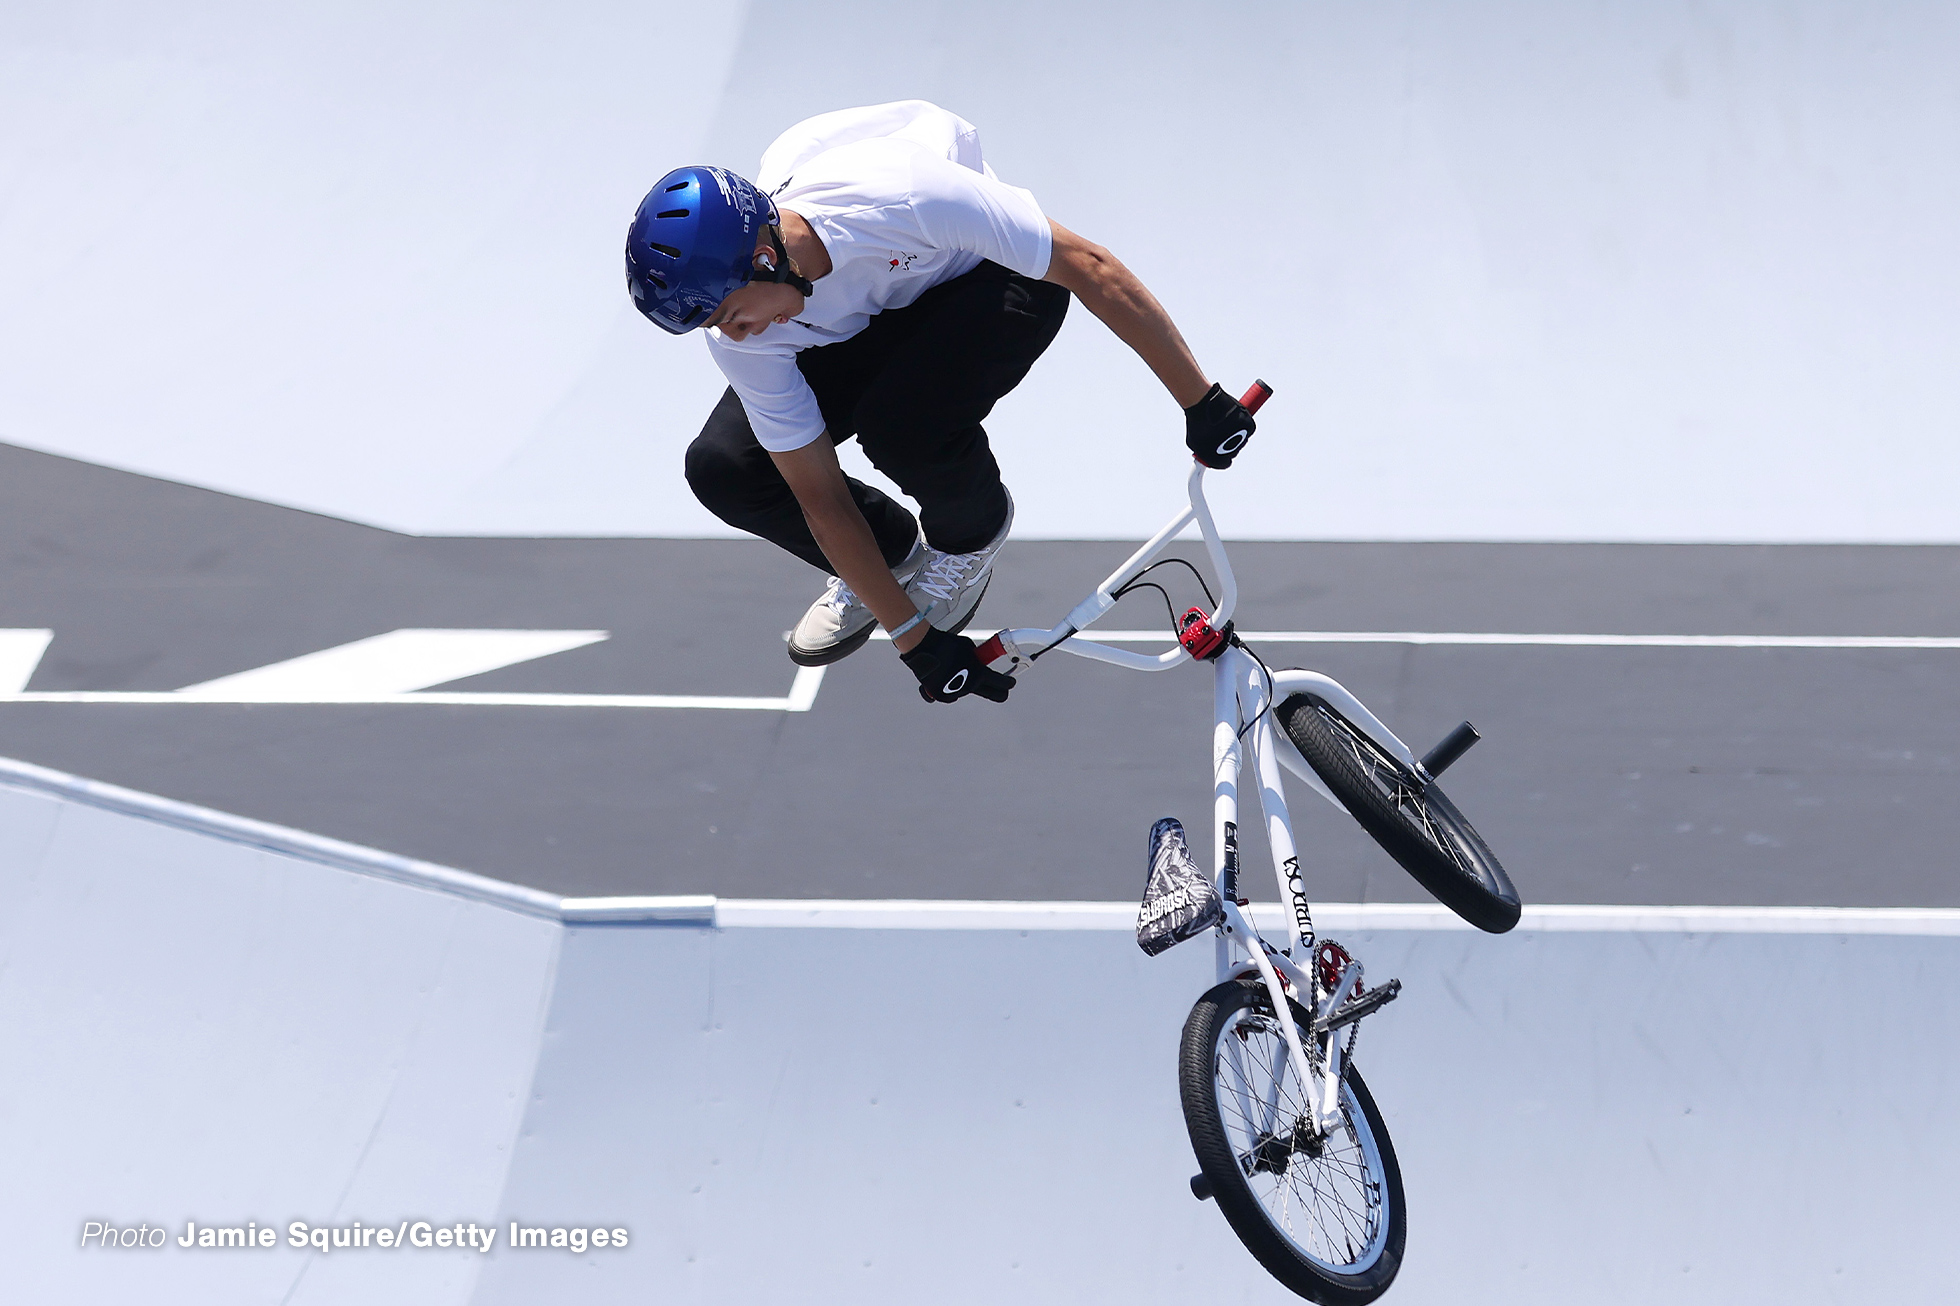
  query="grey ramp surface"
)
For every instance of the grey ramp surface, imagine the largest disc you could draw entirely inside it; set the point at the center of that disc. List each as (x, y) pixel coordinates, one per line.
(223, 1033)
(1607, 775)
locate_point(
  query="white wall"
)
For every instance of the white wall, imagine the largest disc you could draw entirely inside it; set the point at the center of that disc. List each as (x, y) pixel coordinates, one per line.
(199, 1030)
(348, 256)
(977, 1116)
(1521, 270)
(196, 1028)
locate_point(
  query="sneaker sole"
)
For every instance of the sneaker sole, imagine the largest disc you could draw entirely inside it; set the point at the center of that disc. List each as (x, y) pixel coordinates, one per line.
(837, 652)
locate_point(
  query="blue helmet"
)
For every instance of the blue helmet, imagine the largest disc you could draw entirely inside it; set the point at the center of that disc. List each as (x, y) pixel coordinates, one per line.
(692, 243)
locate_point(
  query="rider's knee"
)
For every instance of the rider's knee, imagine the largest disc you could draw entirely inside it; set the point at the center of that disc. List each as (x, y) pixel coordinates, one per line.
(715, 474)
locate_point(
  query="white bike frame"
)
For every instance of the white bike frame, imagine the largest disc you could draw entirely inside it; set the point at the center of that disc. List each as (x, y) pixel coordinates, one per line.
(1240, 693)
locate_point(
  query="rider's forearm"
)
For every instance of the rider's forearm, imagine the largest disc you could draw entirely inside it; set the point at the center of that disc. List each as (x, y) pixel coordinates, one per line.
(845, 537)
(1127, 308)
(1125, 305)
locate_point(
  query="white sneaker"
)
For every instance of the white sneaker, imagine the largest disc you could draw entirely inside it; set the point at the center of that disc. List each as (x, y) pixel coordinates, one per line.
(948, 589)
(838, 623)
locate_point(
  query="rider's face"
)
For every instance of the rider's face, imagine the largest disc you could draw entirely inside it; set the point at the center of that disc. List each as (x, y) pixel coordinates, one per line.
(752, 309)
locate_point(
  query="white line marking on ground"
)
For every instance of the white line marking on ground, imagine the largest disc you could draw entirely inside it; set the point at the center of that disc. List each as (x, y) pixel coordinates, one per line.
(1558, 641)
(20, 654)
(374, 671)
(722, 702)
(391, 670)
(803, 690)
(383, 666)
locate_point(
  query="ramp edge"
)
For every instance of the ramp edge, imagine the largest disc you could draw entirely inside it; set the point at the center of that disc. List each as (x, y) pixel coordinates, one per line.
(278, 838)
(708, 911)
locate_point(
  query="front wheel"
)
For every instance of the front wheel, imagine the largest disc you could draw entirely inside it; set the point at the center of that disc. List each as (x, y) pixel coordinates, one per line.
(1412, 821)
(1323, 1215)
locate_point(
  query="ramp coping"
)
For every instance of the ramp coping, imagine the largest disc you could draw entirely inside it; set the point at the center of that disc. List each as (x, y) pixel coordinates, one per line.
(278, 838)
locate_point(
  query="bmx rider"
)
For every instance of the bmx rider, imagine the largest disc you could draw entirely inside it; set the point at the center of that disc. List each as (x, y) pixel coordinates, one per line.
(876, 279)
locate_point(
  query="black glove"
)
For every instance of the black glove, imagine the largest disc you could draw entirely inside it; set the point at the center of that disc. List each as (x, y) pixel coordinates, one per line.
(1217, 427)
(948, 670)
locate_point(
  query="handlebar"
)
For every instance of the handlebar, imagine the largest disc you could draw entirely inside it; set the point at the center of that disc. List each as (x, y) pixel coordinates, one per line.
(1008, 648)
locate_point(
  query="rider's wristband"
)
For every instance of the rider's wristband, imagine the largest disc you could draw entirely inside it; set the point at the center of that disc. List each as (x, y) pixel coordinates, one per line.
(917, 617)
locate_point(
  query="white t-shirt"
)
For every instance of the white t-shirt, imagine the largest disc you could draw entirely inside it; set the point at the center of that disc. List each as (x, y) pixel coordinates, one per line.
(902, 201)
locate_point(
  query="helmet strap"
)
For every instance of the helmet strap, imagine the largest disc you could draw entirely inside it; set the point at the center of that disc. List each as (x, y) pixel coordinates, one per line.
(780, 270)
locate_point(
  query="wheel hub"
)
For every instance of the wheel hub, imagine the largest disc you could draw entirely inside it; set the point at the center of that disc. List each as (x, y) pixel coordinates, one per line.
(1271, 1154)
(1274, 1153)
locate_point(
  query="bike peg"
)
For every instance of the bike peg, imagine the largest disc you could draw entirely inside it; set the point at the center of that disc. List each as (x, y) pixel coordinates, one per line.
(1455, 744)
(1201, 1187)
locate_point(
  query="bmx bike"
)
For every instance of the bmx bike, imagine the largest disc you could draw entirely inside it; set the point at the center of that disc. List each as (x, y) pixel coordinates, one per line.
(1289, 1140)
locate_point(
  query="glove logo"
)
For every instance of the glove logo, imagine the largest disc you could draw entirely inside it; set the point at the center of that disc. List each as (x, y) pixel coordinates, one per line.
(948, 670)
(1234, 442)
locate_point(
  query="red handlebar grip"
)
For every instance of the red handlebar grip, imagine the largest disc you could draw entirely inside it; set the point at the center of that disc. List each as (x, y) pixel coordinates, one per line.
(1256, 397)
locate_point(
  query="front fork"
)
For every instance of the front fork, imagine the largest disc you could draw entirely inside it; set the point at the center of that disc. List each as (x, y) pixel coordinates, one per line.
(1239, 686)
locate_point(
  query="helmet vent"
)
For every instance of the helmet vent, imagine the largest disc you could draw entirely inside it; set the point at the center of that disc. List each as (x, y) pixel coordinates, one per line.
(692, 313)
(673, 213)
(679, 185)
(656, 281)
(668, 250)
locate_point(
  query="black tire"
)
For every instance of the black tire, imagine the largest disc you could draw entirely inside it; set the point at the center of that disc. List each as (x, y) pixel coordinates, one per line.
(1414, 823)
(1299, 1214)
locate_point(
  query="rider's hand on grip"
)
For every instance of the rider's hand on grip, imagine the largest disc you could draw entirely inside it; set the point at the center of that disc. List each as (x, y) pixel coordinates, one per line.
(948, 670)
(1217, 427)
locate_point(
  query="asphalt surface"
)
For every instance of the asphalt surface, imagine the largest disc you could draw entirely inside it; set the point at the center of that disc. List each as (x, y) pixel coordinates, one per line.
(1633, 775)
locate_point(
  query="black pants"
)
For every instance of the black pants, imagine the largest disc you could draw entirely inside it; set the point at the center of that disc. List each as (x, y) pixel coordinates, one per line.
(913, 386)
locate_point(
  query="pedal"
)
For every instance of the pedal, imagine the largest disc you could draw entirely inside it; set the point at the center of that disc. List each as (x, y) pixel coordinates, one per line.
(1201, 1187)
(1365, 1004)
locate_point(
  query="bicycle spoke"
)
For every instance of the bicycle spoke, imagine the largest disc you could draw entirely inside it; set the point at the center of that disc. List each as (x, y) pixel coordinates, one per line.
(1387, 775)
(1328, 1205)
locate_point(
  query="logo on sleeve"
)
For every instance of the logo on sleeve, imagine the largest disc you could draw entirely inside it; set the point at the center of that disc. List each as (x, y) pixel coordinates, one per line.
(902, 262)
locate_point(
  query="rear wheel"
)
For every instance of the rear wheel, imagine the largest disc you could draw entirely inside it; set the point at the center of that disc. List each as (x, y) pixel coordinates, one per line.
(1323, 1215)
(1413, 822)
